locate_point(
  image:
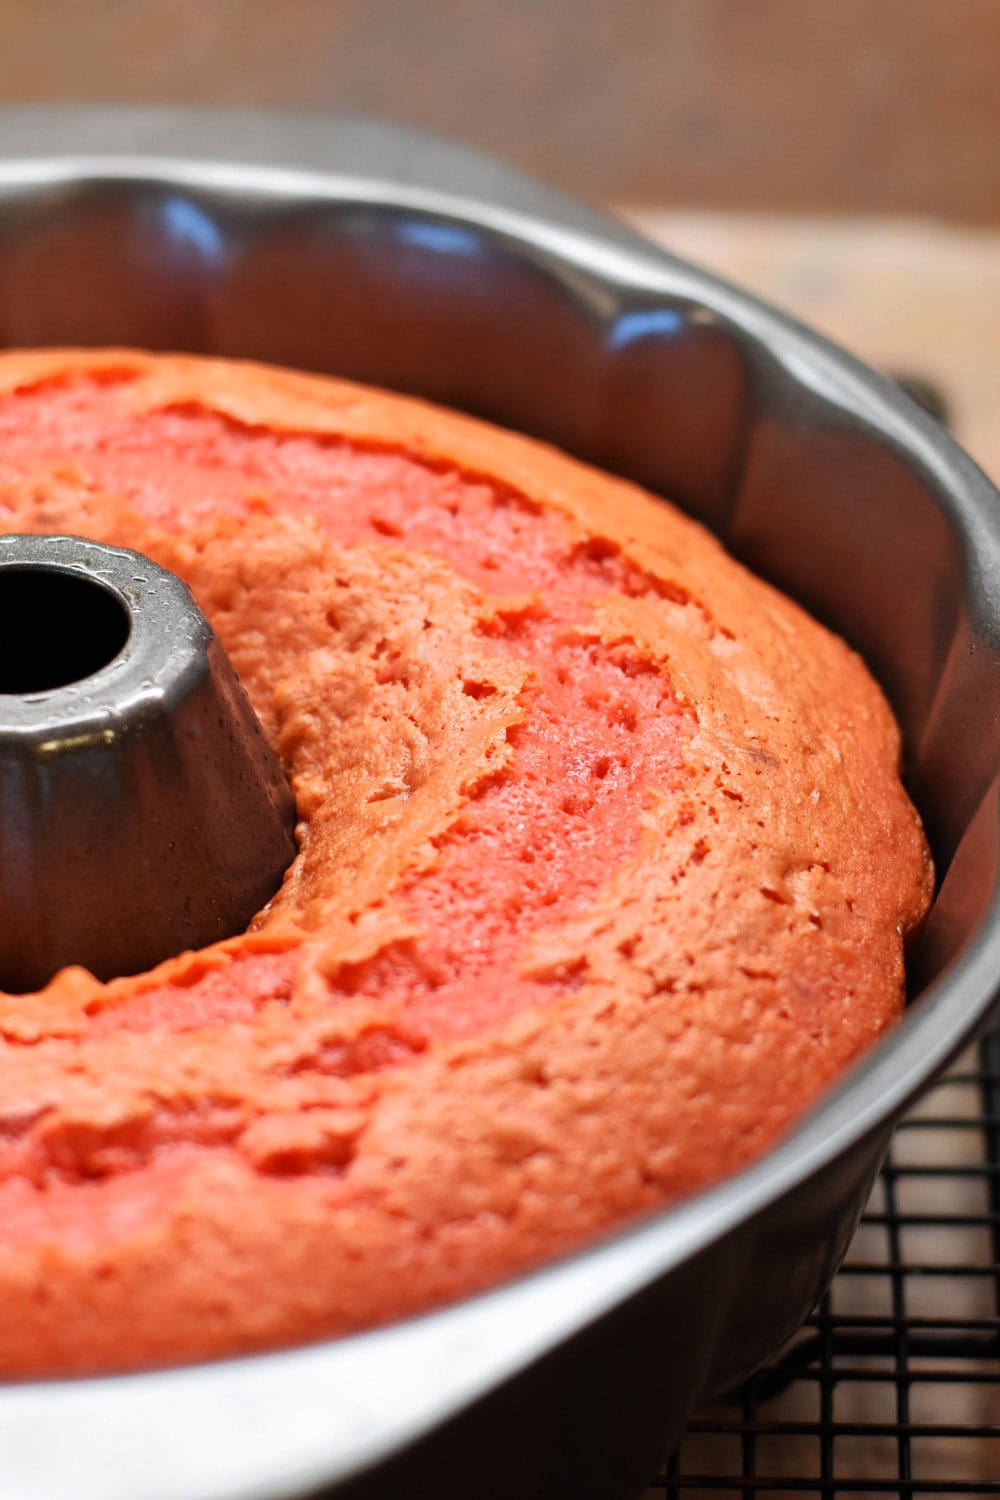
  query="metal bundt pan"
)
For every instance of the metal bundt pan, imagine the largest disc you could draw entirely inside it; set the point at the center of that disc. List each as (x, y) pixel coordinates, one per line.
(391, 258)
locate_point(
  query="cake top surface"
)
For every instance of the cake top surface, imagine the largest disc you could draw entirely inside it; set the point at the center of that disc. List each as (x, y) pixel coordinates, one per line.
(604, 870)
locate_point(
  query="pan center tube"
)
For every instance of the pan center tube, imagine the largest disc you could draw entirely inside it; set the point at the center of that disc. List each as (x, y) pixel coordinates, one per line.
(56, 627)
(142, 812)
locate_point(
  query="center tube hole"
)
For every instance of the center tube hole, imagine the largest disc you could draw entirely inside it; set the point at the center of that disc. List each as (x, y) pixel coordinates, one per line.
(56, 628)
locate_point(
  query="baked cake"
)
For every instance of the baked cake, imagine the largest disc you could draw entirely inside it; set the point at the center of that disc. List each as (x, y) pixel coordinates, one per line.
(605, 872)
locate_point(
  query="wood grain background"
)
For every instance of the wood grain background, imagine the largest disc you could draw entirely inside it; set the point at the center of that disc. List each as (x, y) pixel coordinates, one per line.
(884, 106)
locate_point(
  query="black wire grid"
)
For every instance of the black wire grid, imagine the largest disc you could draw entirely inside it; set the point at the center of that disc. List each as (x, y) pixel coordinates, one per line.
(893, 1387)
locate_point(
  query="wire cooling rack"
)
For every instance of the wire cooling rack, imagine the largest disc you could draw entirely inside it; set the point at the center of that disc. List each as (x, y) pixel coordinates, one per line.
(893, 1387)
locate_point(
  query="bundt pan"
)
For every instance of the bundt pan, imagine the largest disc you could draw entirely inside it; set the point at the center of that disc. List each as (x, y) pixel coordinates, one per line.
(391, 258)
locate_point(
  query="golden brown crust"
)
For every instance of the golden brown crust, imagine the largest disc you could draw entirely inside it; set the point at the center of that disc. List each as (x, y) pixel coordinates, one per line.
(723, 974)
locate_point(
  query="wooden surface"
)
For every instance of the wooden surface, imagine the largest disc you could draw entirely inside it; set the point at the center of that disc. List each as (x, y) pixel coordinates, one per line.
(850, 106)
